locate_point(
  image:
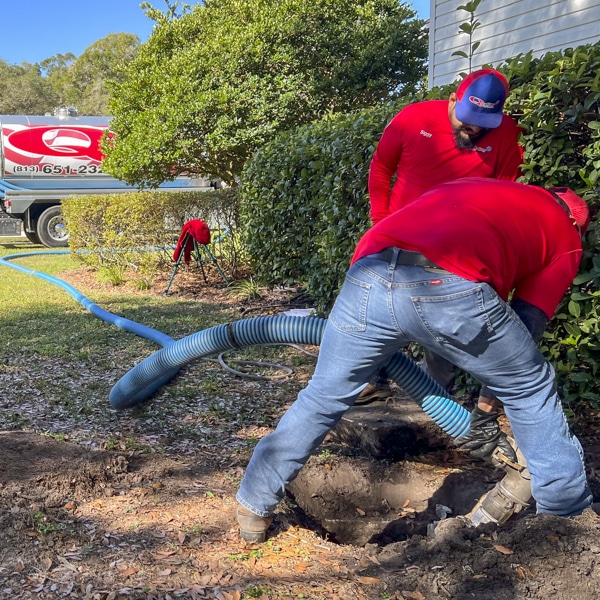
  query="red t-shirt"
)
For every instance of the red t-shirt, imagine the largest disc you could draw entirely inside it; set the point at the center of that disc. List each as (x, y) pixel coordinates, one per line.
(509, 235)
(418, 146)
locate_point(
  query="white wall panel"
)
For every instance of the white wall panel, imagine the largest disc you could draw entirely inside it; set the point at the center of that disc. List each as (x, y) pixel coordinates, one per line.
(508, 28)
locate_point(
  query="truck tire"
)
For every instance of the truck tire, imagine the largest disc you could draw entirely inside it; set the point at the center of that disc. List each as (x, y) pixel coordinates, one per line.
(33, 237)
(50, 228)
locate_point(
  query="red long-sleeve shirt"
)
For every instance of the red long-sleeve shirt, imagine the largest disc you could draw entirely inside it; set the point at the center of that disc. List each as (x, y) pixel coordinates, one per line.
(418, 147)
(192, 230)
(514, 237)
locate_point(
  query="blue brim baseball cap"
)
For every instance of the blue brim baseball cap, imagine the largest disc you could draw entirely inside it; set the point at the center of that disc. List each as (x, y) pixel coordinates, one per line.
(480, 98)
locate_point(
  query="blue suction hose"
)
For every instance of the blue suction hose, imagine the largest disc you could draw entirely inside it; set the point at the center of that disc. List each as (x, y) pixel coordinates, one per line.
(147, 377)
(141, 330)
(133, 387)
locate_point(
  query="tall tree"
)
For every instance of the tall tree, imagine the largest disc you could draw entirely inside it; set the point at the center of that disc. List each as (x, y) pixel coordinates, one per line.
(216, 81)
(57, 70)
(86, 84)
(25, 91)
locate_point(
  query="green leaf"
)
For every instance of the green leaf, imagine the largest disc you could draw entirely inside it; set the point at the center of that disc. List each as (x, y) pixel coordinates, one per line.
(579, 377)
(574, 309)
(585, 277)
(572, 329)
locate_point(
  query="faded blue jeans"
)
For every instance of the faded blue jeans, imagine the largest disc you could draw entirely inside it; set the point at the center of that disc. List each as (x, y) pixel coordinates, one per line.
(381, 308)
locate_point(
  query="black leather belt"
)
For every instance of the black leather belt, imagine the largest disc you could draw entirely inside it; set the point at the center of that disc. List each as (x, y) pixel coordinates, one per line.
(407, 257)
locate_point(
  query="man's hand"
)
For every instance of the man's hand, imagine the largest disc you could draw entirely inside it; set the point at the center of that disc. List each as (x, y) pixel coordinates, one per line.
(485, 436)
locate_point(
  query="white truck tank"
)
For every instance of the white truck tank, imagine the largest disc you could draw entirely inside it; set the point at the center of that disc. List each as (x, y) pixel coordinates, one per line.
(46, 158)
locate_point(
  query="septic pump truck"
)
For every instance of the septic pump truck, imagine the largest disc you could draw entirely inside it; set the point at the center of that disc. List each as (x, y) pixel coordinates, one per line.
(44, 159)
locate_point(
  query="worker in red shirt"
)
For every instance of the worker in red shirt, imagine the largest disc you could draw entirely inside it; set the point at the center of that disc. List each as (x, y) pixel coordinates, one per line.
(439, 272)
(431, 142)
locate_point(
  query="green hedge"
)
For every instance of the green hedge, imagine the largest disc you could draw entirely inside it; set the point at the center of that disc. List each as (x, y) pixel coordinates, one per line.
(135, 232)
(557, 101)
(304, 200)
(304, 203)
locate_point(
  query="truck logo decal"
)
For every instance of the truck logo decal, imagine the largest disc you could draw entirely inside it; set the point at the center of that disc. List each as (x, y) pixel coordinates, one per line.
(83, 142)
(67, 141)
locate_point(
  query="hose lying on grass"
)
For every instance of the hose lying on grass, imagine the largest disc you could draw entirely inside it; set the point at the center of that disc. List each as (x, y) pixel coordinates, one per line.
(146, 378)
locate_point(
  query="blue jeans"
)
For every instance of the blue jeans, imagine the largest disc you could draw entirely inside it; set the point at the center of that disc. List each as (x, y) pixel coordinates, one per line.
(380, 309)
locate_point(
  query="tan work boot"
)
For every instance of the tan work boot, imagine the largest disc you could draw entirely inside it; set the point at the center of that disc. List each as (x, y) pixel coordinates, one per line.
(252, 527)
(374, 392)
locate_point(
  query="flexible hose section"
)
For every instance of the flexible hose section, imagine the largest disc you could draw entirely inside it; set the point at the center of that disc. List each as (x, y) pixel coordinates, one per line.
(143, 380)
(146, 332)
(133, 387)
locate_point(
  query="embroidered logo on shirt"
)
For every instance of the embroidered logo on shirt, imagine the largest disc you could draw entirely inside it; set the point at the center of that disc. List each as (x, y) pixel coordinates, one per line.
(425, 133)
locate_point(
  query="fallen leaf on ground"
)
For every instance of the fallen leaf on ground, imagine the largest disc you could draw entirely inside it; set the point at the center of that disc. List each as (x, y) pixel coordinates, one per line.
(413, 595)
(524, 572)
(368, 580)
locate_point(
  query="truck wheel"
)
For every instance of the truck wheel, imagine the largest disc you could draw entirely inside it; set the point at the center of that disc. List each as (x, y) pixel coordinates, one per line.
(51, 228)
(33, 237)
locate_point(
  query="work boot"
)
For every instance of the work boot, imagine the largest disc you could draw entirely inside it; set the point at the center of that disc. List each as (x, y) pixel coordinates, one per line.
(252, 527)
(374, 392)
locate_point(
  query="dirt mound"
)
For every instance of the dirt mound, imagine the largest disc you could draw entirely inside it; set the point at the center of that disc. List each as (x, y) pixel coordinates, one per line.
(42, 472)
(101, 525)
(537, 557)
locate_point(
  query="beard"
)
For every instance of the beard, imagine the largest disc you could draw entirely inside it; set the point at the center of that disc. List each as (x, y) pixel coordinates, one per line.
(465, 142)
(462, 142)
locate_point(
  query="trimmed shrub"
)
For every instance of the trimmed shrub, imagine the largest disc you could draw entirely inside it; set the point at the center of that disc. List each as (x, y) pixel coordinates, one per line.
(556, 99)
(306, 194)
(137, 231)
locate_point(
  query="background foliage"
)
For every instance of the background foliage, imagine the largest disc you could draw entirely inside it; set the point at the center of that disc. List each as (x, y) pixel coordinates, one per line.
(213, 84)
(67, 80)
(25, 91)
(557, 101)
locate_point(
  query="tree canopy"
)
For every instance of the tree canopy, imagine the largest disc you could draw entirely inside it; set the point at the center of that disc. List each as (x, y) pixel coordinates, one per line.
(25, 91)
(100, 62)
(218, 80)
(67, 80)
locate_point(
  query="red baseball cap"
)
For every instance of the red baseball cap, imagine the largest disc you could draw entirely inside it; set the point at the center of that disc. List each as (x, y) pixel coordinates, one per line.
(480, 98)
(577, 206)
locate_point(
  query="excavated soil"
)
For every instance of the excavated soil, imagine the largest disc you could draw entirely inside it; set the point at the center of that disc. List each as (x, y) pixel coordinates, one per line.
(141, 506)
(103, 525)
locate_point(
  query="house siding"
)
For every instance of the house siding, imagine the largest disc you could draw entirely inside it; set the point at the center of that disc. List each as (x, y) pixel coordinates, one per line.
(507, 29)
